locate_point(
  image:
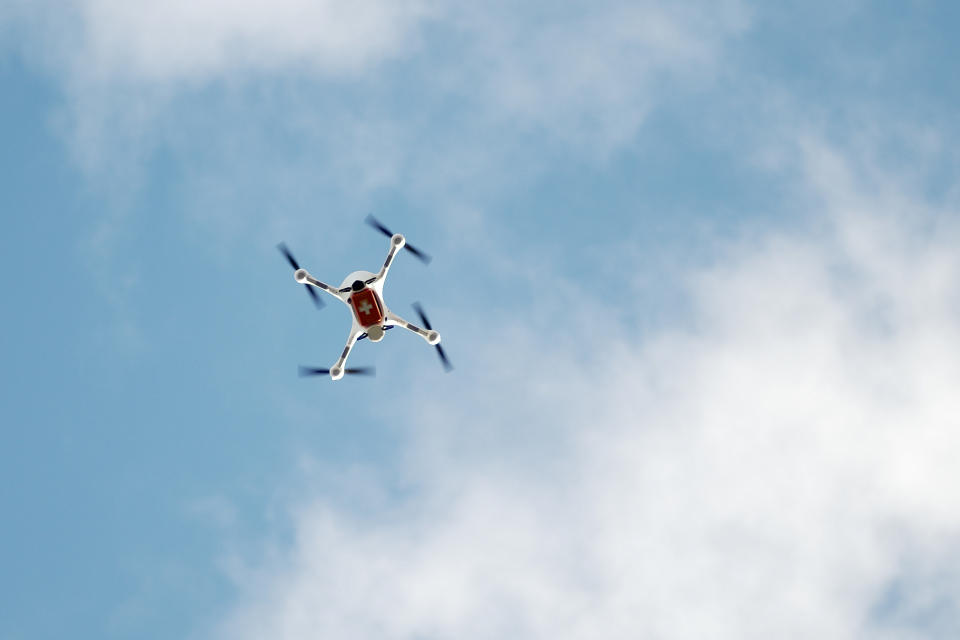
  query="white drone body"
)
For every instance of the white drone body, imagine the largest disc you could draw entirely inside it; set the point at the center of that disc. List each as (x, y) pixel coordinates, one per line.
(362, 291)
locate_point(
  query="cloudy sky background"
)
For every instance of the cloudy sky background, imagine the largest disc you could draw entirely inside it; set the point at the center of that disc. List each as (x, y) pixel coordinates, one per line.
(696, 264)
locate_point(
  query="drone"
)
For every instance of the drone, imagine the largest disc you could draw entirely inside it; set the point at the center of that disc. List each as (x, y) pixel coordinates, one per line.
(362, 291)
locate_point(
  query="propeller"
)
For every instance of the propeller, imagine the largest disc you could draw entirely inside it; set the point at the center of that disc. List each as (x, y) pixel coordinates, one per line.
(356, 371)
(376, 224)
(293, 263)
(426, 323)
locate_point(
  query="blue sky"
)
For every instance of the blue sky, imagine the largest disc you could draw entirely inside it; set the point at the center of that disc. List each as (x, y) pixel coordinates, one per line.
(694, 262)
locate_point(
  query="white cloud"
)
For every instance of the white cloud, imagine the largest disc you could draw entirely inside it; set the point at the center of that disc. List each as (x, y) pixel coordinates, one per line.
(590, 74)
(492, 80)
(201, 40)
(262, 109)
(777, 470)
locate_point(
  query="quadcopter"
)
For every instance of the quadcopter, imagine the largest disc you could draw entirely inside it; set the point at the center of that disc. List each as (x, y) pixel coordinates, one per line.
(362, 291)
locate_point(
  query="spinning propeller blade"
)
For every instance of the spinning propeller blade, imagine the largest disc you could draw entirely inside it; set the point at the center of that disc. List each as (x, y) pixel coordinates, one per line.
(373, 222)
(443, 358)
(289, 256)
(361, 371)
(311, 371)
(316, 298)
(426, 323)
(293, 263)
(424, 258)
(376, 224)
(423, 316)
(355, 371)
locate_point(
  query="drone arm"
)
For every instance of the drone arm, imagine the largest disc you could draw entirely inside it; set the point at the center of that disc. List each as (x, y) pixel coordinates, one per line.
(303, 276)
(337, 370)
(397, 242)
(432, 337)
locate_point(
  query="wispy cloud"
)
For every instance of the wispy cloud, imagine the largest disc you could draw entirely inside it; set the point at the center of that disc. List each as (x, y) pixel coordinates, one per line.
(198, 41)
(781, 466)
(492, 80)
